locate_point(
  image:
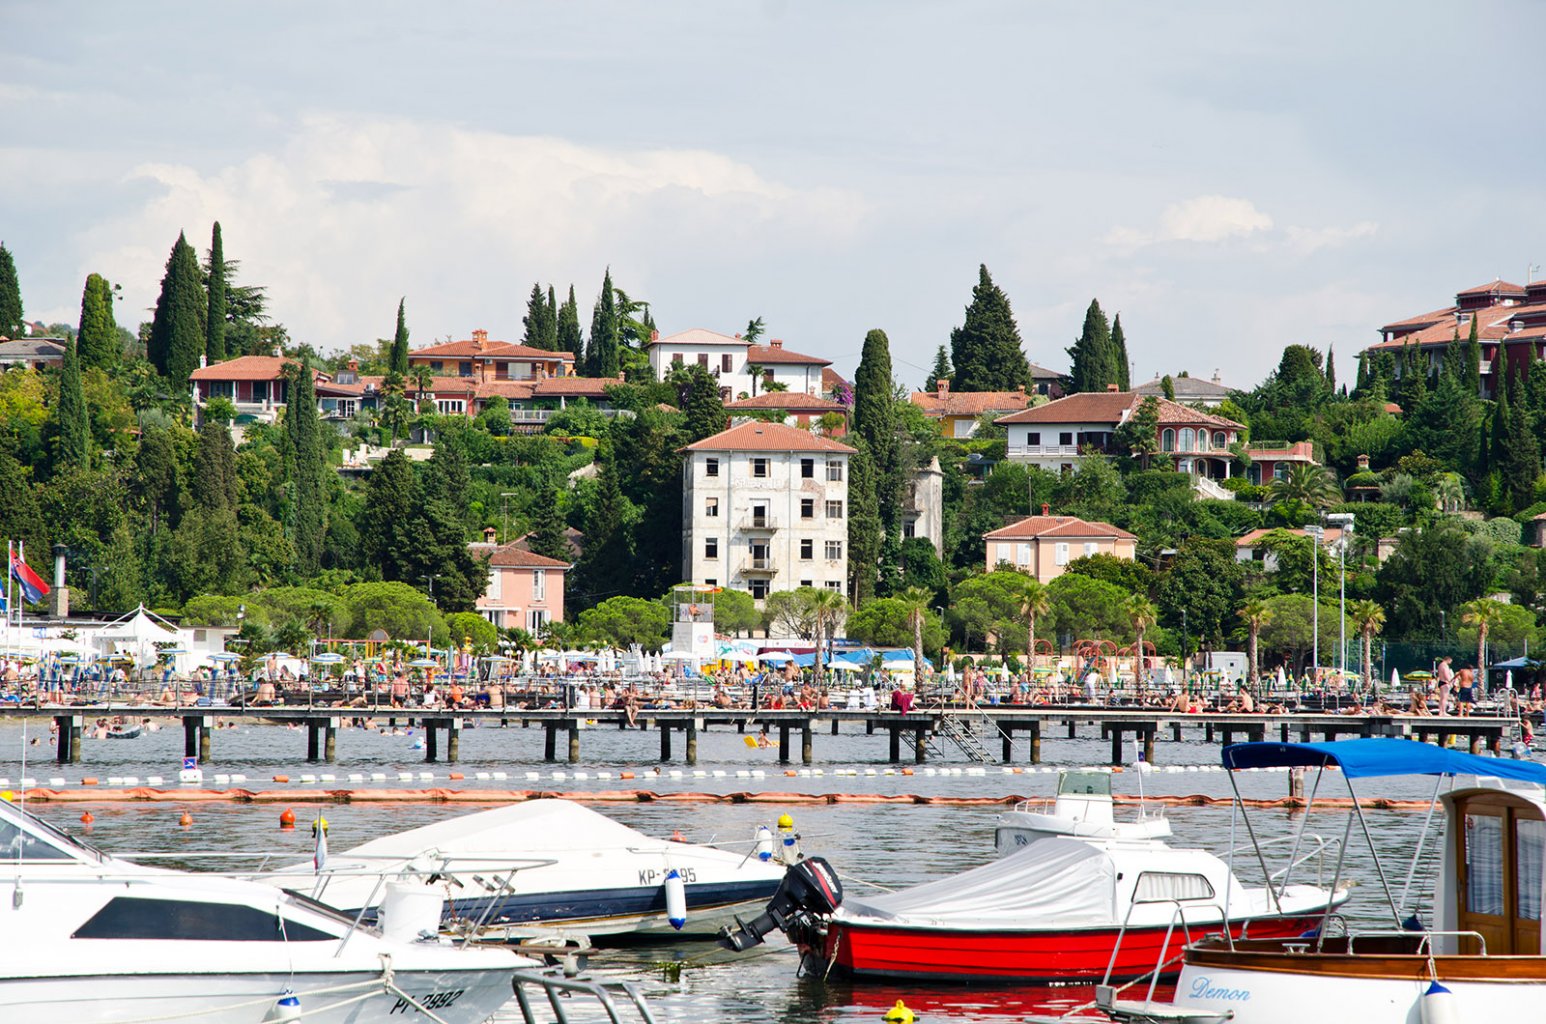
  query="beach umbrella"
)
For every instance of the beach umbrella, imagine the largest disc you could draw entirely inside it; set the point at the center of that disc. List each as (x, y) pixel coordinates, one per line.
(1395, 680)
(327, 658)
(839, 665)
(170, 652)
(1508, 679)
(423, 663)
(1282, 682)
(224, 656)
(775, 657)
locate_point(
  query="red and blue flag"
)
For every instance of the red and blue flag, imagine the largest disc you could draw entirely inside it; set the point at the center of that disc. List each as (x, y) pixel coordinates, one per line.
(33, 589)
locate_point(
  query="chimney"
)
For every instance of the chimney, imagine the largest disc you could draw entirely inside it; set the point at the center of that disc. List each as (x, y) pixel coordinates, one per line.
(1113, 388)
(942, 388)
(1363, 463)
(1515, 326)
(777, 343)
(354, 364)
(1046, 509)
(1216, 375)
(479, 339)
(490, 535)
(654, 336)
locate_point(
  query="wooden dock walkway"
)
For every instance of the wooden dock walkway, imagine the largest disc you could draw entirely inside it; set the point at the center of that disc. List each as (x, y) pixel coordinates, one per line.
(1023, 724)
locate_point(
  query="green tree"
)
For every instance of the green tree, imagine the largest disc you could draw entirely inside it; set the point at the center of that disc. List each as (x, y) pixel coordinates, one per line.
(1144, 616)
(1086, 608)
(1314, 485)
(698, 397)
(387, 517)
(177, 330)
(1256, 615)
(1035, 601)
(398, 361)
(940, 372)
(74, 438)
(875, 422)
(1481, 615)
(214, 475)
(396, 608)
(10, 296)
(1168, 388)
(1368, 618)
(625, 621)
(602, 358)
(305, 466)
(900, 621)
(1131, 575)
(541, 320)
(827, 609)
(1519, 461)
(866, 532)
(214, 321)
(986, 349)
(1434, 569)
(470, 627)
(97, 340)
(1093, 358)
(1119, 350)
(1139, 436)
(1203, 581)
(568, 328)
(549, 536)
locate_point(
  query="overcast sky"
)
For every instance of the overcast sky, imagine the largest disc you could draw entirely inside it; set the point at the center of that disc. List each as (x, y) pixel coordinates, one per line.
(1230, 177)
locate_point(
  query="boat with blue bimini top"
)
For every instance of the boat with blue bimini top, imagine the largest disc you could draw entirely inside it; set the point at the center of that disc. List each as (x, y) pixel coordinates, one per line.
(1480, 958)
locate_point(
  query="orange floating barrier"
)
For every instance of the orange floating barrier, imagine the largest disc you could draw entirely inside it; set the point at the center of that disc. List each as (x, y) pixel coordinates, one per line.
(456, 776)
(281, 778)
(90, 780)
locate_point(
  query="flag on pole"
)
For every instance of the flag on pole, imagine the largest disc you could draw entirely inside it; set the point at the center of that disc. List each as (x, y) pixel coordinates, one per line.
(33, 588)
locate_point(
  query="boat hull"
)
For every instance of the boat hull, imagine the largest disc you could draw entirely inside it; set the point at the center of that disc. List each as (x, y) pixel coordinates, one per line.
(869, 949)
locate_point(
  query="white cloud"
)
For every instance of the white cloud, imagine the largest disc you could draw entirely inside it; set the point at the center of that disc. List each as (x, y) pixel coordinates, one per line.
(1199, 219)
(1308, 240)
(348, 215)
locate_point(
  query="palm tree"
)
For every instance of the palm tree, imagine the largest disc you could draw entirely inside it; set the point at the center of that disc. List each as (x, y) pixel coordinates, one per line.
(1369, 618)
(916, 601)
(423, 378)
(1309, 483)
(1256, 615)
(1143, 615)
(1034, 600)
(827, 607)
(1483, 613)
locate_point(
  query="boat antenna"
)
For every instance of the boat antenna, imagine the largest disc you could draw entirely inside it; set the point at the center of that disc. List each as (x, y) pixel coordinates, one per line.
(1143, 810)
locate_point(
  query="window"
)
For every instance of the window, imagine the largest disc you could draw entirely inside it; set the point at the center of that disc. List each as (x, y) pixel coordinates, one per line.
(676, 359)
(437, 366)
(1164, 886)
(1089, 548)
(1066, 438)
(910, 528)
(807, 508)
(727, 363)
(834, 470)
(711, 507)
(260, 391)
(760, 468)
(703, 360)
(1529, 853)
(759, 589)
(807, 549)
(807, 583)
(1033, 438)
(14, 842)
(536, 619)
(130, 917)
(711, 582)
(834, 510)
(1187, 434)
(834, 550)
(1022, 554)
(1218, 439)
(760, 515)
(807, 469)
(711, 547)
(220, 389)
(836, 585)
(710, 467)
(1061, 554)
(451, 406)
(539, 584)
(1202, 440)
(495, 583)
(464, 369)
(1168, 439)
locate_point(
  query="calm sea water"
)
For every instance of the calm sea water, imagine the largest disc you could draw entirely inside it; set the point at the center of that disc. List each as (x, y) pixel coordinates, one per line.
(887, 845)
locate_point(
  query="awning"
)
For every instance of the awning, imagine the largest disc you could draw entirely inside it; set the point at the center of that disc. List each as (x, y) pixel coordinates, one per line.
(1374, 758)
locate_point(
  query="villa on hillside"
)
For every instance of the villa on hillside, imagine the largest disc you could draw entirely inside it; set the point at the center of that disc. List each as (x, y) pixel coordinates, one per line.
(959, 412)
(798, 409)
(742, 368)
(258, 388)
(1271, 462)
(1188, 390)
(525, 590)
(484, 360)
(31, 353)
(1044, 545)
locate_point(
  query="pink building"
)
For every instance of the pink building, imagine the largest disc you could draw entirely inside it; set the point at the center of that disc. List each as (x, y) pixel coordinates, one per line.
(1044, 545)
(525, 590)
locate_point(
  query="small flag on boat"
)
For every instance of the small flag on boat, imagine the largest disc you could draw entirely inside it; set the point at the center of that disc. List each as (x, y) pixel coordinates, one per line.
(33, 589)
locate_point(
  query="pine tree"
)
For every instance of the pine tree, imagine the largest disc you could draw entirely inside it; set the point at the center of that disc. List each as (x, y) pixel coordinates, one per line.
(74, 449)
(1520, 462)
(602, 358)
(386, 518)
(97, 339)
(1168, 388)
(700, 400)
(986, 349)
(1093, 360)
(10, 297)
(1119, 352)
(605, 566)
(177, 330)
(305, 463)
(214, 323)
(940, 372)
(549, 536)
(398, 362)
(569, 337)
(214, 478)
(541, 320)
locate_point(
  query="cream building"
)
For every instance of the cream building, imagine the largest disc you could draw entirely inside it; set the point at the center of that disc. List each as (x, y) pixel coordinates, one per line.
(744, 370)
(765, 508)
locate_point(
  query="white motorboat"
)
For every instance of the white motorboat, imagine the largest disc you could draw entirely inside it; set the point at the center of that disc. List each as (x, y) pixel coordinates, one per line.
(87, 938)
(1082, 809)
(543, 867)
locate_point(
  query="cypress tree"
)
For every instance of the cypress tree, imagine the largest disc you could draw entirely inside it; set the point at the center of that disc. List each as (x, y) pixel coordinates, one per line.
(1093, 361)
(601, 358)
(398, 363)
(865, 530)
(986, 349)
(541, 321)
(940, 372)
(549, 536)
(875, 420)
(97, 339)
(1331, 369)
(568, 331)
(10, 296)
(550, 324)
(700, 401)
(177, 330)
(1473, 360)
(1119, 352)
(386, 518)
(214, 478)
(1519, 463)
(214, 323)
(1168, 387)
(74, 429)
(305, 464)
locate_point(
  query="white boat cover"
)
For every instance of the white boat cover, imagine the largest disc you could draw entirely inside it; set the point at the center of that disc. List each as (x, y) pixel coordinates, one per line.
(529, 828)
(1051, 882)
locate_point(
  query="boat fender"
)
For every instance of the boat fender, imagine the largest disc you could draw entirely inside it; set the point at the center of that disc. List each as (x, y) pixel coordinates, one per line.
(764, 843)
(286, 1010)
(676, 899)
(1439, 1006)
(789, 841)
(899, 1014)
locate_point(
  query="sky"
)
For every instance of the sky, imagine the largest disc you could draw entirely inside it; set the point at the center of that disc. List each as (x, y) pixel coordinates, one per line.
(1232, 178)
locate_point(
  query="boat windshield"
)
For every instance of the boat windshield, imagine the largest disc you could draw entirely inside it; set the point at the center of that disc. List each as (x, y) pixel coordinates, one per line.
(1082, 783)
(28, 837)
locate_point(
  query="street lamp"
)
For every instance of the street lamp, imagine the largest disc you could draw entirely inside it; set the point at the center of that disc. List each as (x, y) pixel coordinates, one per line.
(431, 579)
(1317, 533)
(1344, 520)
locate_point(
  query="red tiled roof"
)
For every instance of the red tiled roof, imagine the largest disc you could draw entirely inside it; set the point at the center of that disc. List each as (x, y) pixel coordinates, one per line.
(1423, 319)
(1042, 373)
(970, 403)
(787, 400)
(769, 355)
(514, 556)
(830, 379)
(249, 368)
(1492, 324)
(484, 349)
(1331, 536)
(1112, 407)
(767, 437)
(1496, 285)
(1057, 526)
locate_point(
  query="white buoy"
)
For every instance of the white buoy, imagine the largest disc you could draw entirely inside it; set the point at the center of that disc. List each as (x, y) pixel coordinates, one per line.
(1439, 1006)
(287, 1009)
(764, 843)
(676, 899)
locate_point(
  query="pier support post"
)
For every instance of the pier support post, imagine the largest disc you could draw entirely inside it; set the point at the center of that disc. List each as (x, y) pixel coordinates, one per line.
(329, 740)
(1148, 747)
(1283, 733)
(453, 739)
(807, 746)
(77, 722)
(1116, 746)
(312, 730)
(1207, 732)
(190, 736)
(1035, 751)
(431, 741)
(204, 741)
(834, 727)
(783, 743)
(1006, 735)
(692, 741)
(896, 744)
(574, 741)
(665, 740)
(1175, 732)
(869, 727)
(1071, 734)
(62, 750)
(549, 741)
(920, 743)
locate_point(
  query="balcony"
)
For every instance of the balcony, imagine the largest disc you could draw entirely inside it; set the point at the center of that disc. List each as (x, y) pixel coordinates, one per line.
(755, 566)
(1043, 451)
(758, 524)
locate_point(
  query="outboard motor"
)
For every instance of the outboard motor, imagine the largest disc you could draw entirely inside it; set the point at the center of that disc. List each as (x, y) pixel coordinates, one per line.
(810, 890)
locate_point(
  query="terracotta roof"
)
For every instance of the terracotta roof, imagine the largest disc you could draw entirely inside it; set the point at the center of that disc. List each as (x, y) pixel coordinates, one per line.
(585, 387)
(1331, 536)
(830, 379)
(1057, 526)
(699, 336)
(1495, 285)
(1492, 324)
(1042, 373)
(515, 556)
(767, 437)
(31, 348)
(482, 348)
(333, 388)
(1423, 319)
(769, 355)
(787, 400)
(249, 368)
(970, 403)
(1112, 407)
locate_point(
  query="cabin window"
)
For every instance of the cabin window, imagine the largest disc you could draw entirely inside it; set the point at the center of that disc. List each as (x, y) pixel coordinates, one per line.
(15, 843)
(1530, 853)
(1164, 886)
(128, 917)
(1484, 864)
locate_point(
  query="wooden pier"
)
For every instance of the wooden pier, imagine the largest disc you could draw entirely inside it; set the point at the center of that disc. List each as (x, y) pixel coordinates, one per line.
(922, 727)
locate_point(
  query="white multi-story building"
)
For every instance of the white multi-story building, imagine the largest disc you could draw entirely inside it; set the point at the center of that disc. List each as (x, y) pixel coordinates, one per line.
(764, 508)
(744, 370)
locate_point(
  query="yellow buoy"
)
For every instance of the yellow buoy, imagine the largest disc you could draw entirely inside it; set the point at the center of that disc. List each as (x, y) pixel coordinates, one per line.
(899, 1014)
(785, 821)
